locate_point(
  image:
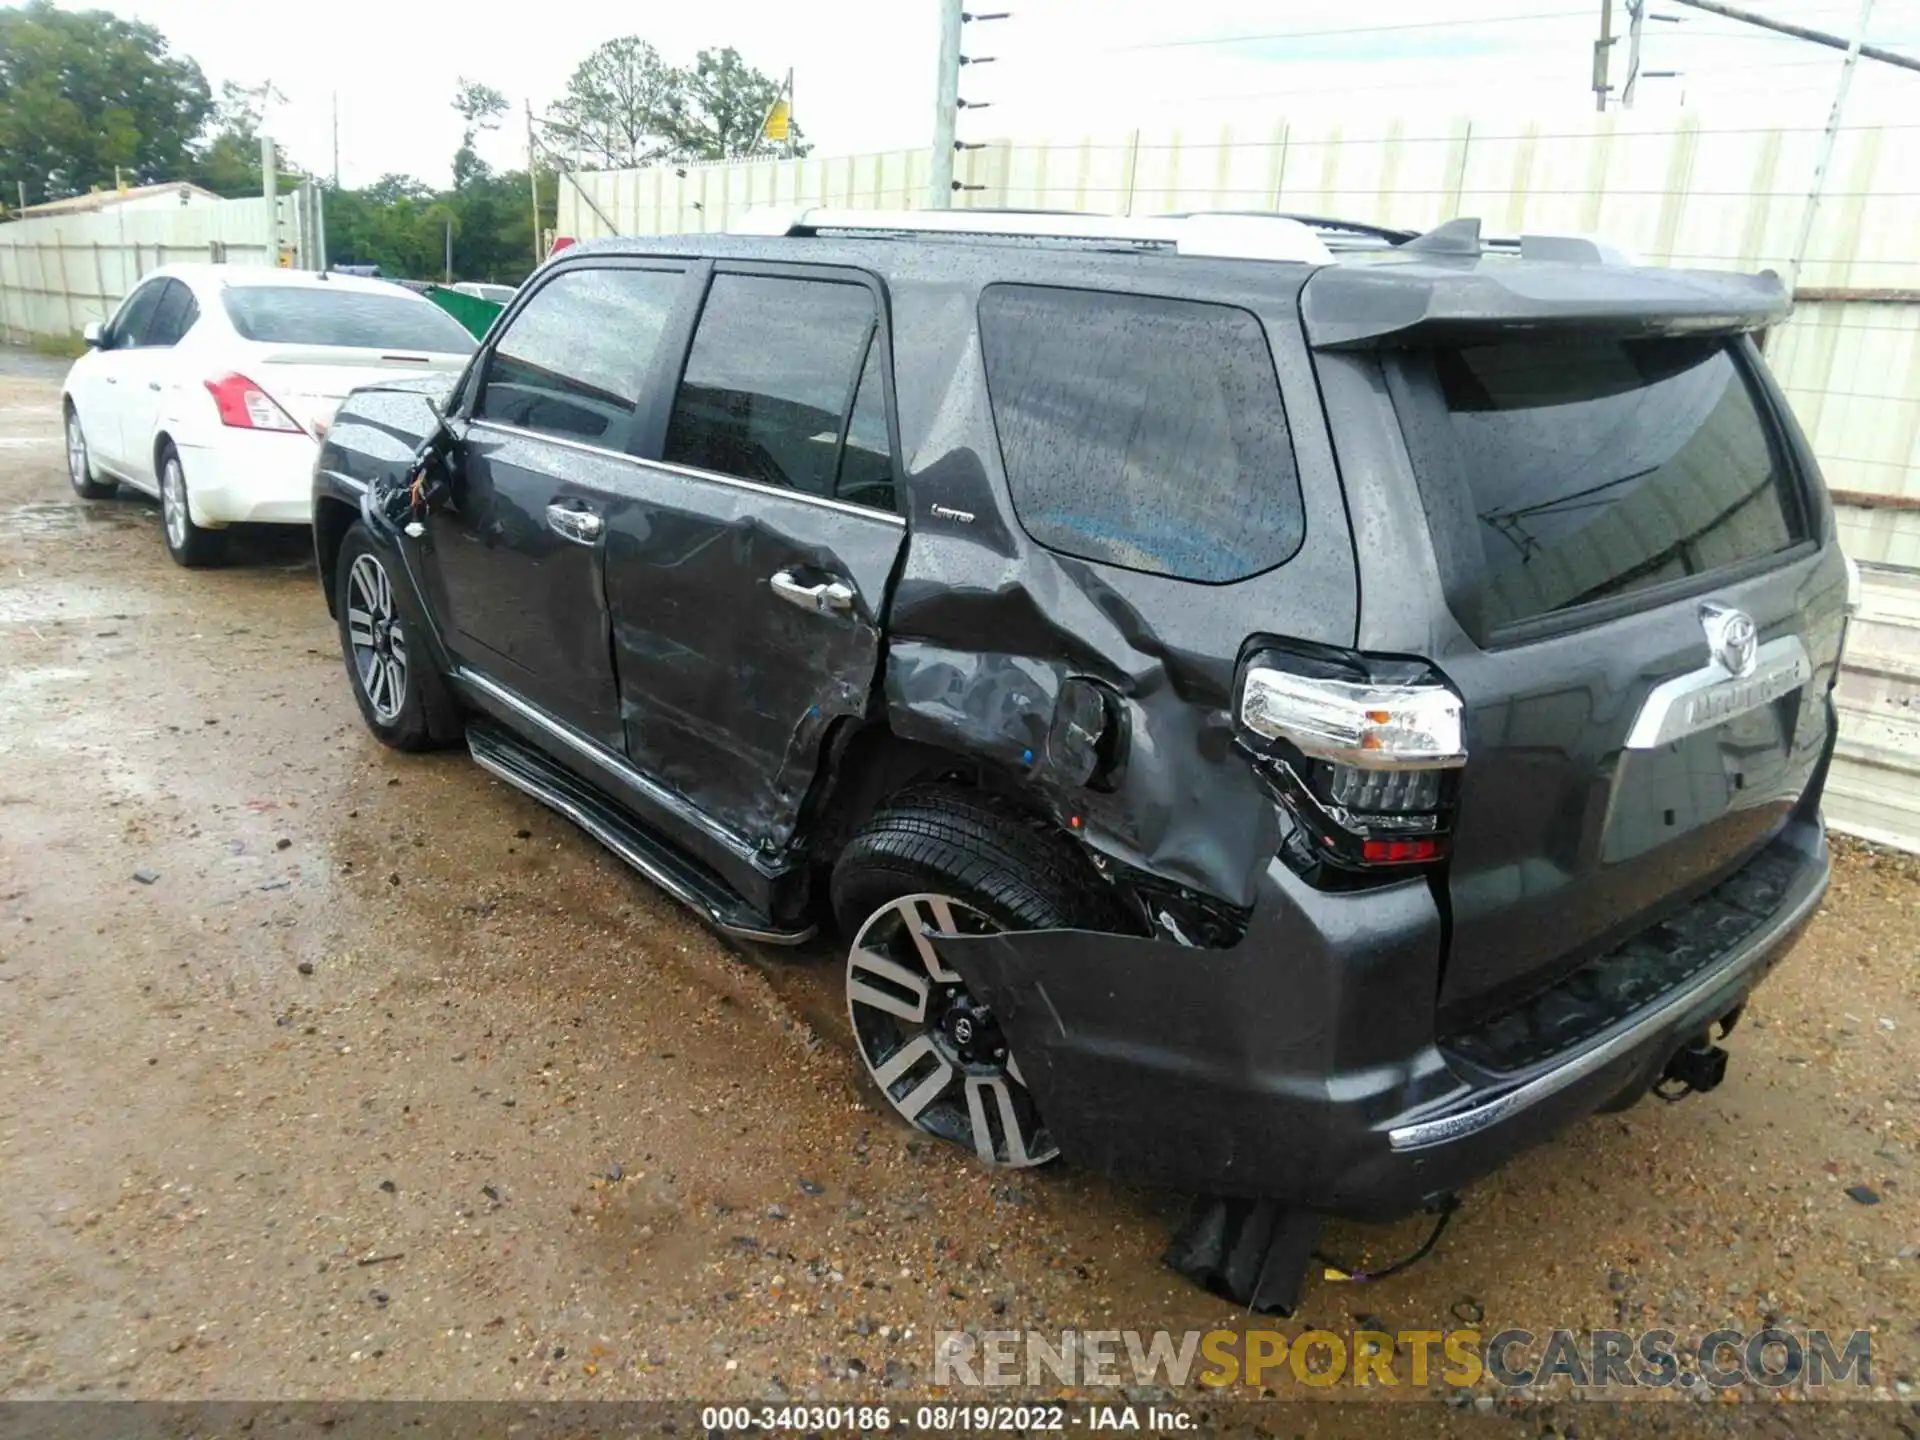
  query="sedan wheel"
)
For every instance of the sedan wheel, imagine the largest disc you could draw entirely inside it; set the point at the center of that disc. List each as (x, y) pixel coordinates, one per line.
(173, 502)
(189, 544)
(80, 463)
(936, 1053)
(378, 641)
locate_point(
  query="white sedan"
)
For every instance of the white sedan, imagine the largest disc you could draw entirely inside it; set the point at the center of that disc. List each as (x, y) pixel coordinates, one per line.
(212, 384)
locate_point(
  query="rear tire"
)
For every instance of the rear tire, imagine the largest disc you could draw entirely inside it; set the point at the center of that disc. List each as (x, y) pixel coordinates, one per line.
(80, 473)
(401, 696)
(191, 545)
(935, 861)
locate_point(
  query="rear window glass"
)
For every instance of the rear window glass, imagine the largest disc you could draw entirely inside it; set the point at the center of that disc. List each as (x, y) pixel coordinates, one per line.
(302, 315)
(1597, 468)
(1142, 432)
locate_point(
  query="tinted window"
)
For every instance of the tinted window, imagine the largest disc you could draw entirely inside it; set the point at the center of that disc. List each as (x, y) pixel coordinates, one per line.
(173, 316)
(1143, 432)
(573, 360)
(1598, 468)
(130, 326)
(770, 379)
(323, 315)
(866, 465)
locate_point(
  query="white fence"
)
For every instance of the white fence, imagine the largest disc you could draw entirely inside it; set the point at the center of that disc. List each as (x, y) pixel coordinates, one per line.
(1686, 194)
(61, 271)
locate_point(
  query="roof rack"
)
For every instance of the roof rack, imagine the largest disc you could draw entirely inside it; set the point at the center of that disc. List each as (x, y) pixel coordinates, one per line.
(1219, 236)
(1338, 234)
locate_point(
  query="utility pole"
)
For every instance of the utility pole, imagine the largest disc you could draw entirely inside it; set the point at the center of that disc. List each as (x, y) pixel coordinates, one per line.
(1636, 19)
(336, 139)
(269, 186)
(1603, 56)
(1827, 143)
(946, 105)
(533, 182)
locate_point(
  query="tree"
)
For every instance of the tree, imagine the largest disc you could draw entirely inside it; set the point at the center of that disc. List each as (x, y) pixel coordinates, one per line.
(725, 103)
(622, 105)
(229, 159)
(82, 92)
(481, 106)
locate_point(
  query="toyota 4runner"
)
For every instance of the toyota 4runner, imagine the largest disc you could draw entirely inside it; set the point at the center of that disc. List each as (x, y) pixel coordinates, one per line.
(1287, 710)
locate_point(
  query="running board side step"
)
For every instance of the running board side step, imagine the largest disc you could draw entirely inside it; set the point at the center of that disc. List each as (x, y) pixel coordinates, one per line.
(526, 769)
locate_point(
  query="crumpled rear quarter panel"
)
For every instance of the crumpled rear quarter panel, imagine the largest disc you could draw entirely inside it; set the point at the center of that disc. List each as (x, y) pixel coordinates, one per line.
(986, 625)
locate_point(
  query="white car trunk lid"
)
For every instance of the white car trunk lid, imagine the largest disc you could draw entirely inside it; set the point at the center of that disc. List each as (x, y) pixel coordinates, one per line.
(309, 382)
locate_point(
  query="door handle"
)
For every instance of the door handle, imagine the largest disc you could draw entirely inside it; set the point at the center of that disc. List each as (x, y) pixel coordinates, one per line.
(828, 597)
(583, 527)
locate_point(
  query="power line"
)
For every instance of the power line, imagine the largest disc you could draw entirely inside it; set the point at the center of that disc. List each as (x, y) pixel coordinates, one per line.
(1199, 41)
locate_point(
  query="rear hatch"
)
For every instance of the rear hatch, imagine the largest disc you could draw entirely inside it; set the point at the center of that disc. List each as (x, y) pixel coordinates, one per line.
(1627, 531)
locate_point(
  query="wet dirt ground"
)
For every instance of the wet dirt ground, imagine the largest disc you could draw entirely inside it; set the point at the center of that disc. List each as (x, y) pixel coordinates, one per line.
(331, 1072)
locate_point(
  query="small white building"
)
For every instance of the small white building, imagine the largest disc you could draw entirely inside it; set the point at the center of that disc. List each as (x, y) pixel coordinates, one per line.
(172, 195)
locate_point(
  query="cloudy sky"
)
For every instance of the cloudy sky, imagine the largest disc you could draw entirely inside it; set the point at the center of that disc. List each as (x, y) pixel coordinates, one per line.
(1061, 68)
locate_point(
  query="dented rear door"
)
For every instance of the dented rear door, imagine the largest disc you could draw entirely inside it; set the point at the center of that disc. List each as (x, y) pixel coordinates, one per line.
(748, 583)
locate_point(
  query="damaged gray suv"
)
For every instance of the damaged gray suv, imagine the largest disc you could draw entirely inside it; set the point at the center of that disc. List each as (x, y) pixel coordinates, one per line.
(1291, 711)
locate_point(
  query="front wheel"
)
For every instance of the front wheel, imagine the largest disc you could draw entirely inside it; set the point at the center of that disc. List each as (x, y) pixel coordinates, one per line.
(80, 462)
(944, 861)
(397, 689)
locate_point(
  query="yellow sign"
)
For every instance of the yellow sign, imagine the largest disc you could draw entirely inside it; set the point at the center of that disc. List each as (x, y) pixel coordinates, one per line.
(778, 119)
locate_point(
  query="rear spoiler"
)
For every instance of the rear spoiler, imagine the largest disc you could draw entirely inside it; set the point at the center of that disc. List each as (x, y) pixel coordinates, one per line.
(1404, 300)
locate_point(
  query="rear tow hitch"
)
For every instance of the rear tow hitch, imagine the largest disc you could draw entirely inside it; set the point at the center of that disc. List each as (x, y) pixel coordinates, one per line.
(1698, 1068)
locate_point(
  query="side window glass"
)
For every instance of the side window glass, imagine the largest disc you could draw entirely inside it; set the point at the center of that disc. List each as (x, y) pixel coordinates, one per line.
(1142, 432)
(770, 380)
(173, 316)
(572, 362)
(130, 326)
(866, 464)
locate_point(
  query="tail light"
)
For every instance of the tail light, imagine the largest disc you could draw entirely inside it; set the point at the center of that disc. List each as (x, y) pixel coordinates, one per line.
(245, 406)
(1360, 749)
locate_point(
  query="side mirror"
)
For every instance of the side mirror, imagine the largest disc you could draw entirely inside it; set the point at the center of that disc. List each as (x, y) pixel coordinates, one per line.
(95, 335)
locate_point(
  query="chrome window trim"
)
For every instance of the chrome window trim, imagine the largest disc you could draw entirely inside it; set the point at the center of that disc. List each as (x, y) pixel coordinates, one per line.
(1684, 705)
(692, 472)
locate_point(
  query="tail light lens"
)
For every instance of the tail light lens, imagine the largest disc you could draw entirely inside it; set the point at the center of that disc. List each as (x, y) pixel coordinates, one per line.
(1359, 748)
(243, 405)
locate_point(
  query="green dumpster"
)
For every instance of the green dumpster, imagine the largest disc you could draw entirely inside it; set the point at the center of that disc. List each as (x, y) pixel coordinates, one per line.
(470, 310)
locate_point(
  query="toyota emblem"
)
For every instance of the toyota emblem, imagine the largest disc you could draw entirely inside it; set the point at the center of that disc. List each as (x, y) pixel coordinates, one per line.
(1732, 639)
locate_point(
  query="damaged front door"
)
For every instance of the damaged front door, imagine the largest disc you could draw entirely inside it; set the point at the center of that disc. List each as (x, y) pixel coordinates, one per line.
(518, 556)
(748, 581)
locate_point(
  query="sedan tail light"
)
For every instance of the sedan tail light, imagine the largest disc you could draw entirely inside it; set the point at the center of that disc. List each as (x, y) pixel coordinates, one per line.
(245, 406)
(1360, 749)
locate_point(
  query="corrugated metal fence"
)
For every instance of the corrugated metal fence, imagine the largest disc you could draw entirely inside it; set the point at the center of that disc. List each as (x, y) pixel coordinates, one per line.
(61, 271)
(1687, 194)
(1715, 195)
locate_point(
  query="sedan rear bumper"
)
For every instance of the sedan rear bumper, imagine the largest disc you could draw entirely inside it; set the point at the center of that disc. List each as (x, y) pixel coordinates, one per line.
(247, 477)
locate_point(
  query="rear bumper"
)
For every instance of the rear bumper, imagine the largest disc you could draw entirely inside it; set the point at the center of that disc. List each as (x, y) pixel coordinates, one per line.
(251, 477)
(1302, 1064)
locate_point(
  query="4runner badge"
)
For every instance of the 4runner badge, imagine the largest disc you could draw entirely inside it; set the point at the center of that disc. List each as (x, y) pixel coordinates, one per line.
(1731, 638)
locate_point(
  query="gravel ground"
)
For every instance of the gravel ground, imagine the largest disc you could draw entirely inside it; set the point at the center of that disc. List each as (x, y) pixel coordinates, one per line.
(329, 1072)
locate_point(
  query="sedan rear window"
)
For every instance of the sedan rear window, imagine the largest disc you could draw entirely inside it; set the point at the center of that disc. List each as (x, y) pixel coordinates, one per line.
(1601, 467)
(303, 315)
(1143, 432)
